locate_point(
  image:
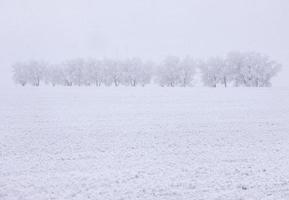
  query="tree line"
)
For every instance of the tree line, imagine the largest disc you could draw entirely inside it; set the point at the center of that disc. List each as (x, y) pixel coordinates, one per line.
(249, 69)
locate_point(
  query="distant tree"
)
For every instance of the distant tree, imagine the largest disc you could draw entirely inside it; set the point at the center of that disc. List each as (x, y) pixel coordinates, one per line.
(135, 72)
(186, 70)
(252, 69)
(223, 71)
(146, 73)
(31, 72)
(211, 71)
(130, 69)
(236, 61)
(226, 72)
(93, 72)
(74, 72)
(174, 71)
(168, 72)
(20, 74)
(112, 72)
(54, 75)
(36, 71)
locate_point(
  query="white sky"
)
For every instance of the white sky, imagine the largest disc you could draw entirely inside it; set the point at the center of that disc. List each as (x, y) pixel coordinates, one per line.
(55, 30)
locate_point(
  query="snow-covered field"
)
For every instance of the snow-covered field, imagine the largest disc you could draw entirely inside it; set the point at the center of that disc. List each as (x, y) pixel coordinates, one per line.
(144, 143)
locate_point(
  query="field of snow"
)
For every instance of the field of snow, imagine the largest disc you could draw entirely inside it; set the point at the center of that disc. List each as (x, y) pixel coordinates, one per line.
(144, 143)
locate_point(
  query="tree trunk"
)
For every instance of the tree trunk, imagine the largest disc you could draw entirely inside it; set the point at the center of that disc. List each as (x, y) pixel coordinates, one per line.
(115, 83)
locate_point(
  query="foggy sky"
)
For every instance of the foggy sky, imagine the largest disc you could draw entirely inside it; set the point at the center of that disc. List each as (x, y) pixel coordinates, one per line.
(55, 30)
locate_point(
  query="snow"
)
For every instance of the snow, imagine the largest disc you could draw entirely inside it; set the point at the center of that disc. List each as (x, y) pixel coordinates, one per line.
(144, 143)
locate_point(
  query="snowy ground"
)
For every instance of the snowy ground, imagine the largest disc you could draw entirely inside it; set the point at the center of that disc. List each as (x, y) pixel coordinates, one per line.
(144, 143)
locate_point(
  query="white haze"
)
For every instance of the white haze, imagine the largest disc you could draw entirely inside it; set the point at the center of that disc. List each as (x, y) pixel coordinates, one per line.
(55, 30)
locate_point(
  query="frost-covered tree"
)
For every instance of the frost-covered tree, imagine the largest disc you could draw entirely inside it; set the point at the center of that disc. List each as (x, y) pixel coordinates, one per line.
(236, 61)
(135, 72)
(74, 72)
(247, 69)
(168, 72)
(174, 71)
(186, 69)
(36, 70)
(226, 73)
(252, 69)
(223, 71)
(54, 75)
(49, 76)
(20, 74)
(130, 71)
(93, 72)
(112, 72)
(146, 73)
(211, 71)
(31, 72)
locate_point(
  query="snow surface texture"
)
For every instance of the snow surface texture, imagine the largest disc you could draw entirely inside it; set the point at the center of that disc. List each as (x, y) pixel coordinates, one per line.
(144, 143)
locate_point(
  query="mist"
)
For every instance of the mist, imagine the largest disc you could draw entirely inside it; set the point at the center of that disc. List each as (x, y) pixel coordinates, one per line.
(58, 30)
